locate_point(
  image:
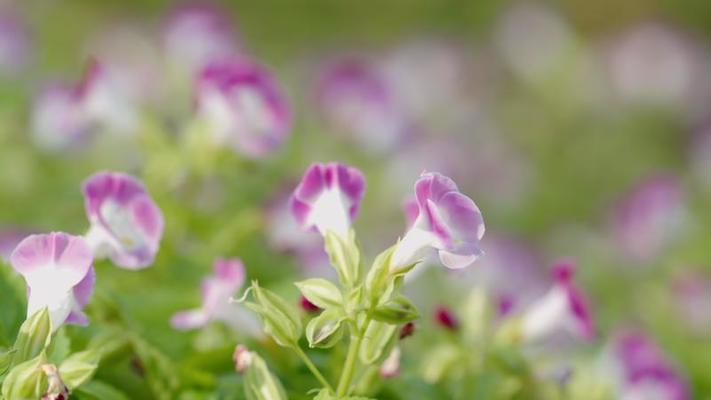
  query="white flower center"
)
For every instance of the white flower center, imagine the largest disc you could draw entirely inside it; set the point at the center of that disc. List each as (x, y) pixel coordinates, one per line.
(329, 213)
(120, 222)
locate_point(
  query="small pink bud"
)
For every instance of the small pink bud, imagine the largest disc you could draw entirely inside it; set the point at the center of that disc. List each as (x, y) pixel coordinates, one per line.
(308, 306)
(407, 330)
(242, 358)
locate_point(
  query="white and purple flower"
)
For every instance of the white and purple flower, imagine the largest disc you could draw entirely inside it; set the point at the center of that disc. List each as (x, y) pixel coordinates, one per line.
(447, 221)
(58, 118)
(328, 198)
(126, 224)
(691, 293)
(243, 106)
(196, 33)
(646, 373)
(563, 308)
(649, 218)
(14, 44)
(354, 96)
(58, 270)
(217, 289)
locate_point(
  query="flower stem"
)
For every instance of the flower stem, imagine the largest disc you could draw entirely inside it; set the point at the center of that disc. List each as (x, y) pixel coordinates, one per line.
(345, 382)
(310, 365)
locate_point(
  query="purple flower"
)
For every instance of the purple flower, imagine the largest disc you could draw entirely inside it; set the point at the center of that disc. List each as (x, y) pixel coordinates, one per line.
(217, 289)
(653, 63)
(58, 270)
(564, 307)
(106, 100)
(243, 106)
(648, 218)
(646, 372)
(126, 224)
(692, 297)
(197, 33)
(448, 221)
(14, 45)
(328, 197)
(58, 118)
(356, 99)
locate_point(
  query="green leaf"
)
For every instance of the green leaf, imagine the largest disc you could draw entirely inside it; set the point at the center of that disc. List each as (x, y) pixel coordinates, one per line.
(344, 256)
(396, 311)
(97, 390)
(324, 394)
(320, 292)
(26, 380)
(378, 275)
(79, 368)
(377, 341)
(326, 329)
(34, 336)
(6, 360)
(281, 319)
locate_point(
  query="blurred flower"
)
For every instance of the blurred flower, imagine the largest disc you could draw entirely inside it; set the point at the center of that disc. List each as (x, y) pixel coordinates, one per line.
(653, 63)
(328, 197)
(448, 221)
(132, 60)
(390, 368)
(243, 106)
(286, 235)
(646, 372)
(126, 224)
(533, 40)
(217, 289)
(692, 295)
(58, 270)
(58, 118)
(564, 307)
(648, 218)
(14, 44)
(446, 318)
(106, 100)
(355, 98)
(426, 76)
(196, 33)
(509, 272)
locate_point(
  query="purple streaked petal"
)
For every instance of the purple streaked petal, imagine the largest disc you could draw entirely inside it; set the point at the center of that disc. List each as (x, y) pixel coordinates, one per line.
(125, 220)
(581, 313)
(411, 211)
(243, 106)
(230, 271)
(191, 319)
(432, 185)
(84, 289)
(328, 197)
(68, 256)
(58, 118)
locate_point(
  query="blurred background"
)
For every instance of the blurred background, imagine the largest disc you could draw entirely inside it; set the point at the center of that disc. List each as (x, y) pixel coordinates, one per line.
(581, 129)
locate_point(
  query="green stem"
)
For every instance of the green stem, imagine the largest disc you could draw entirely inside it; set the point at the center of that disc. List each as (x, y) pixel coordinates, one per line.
(353, 348)
(310, 365)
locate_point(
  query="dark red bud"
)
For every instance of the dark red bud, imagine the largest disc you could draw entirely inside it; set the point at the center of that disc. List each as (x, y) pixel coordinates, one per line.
(446, 318)
(407, 330)
(308, 306)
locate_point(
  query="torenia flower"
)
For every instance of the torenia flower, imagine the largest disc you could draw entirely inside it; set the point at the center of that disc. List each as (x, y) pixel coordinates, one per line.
(564, 307)
(126, 224)
(217, 289)
(58, 118)
(197, 33)
(14, 45)
(355, 97)
(243, 106)
(328, 197)
(447, 221)
(106, 100)
(645, 371)
(58, 270)
(649, 217)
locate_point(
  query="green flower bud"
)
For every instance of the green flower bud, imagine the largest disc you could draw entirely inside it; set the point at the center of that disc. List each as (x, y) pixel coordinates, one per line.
(344, 256)
(326, 329)
(321, 292)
